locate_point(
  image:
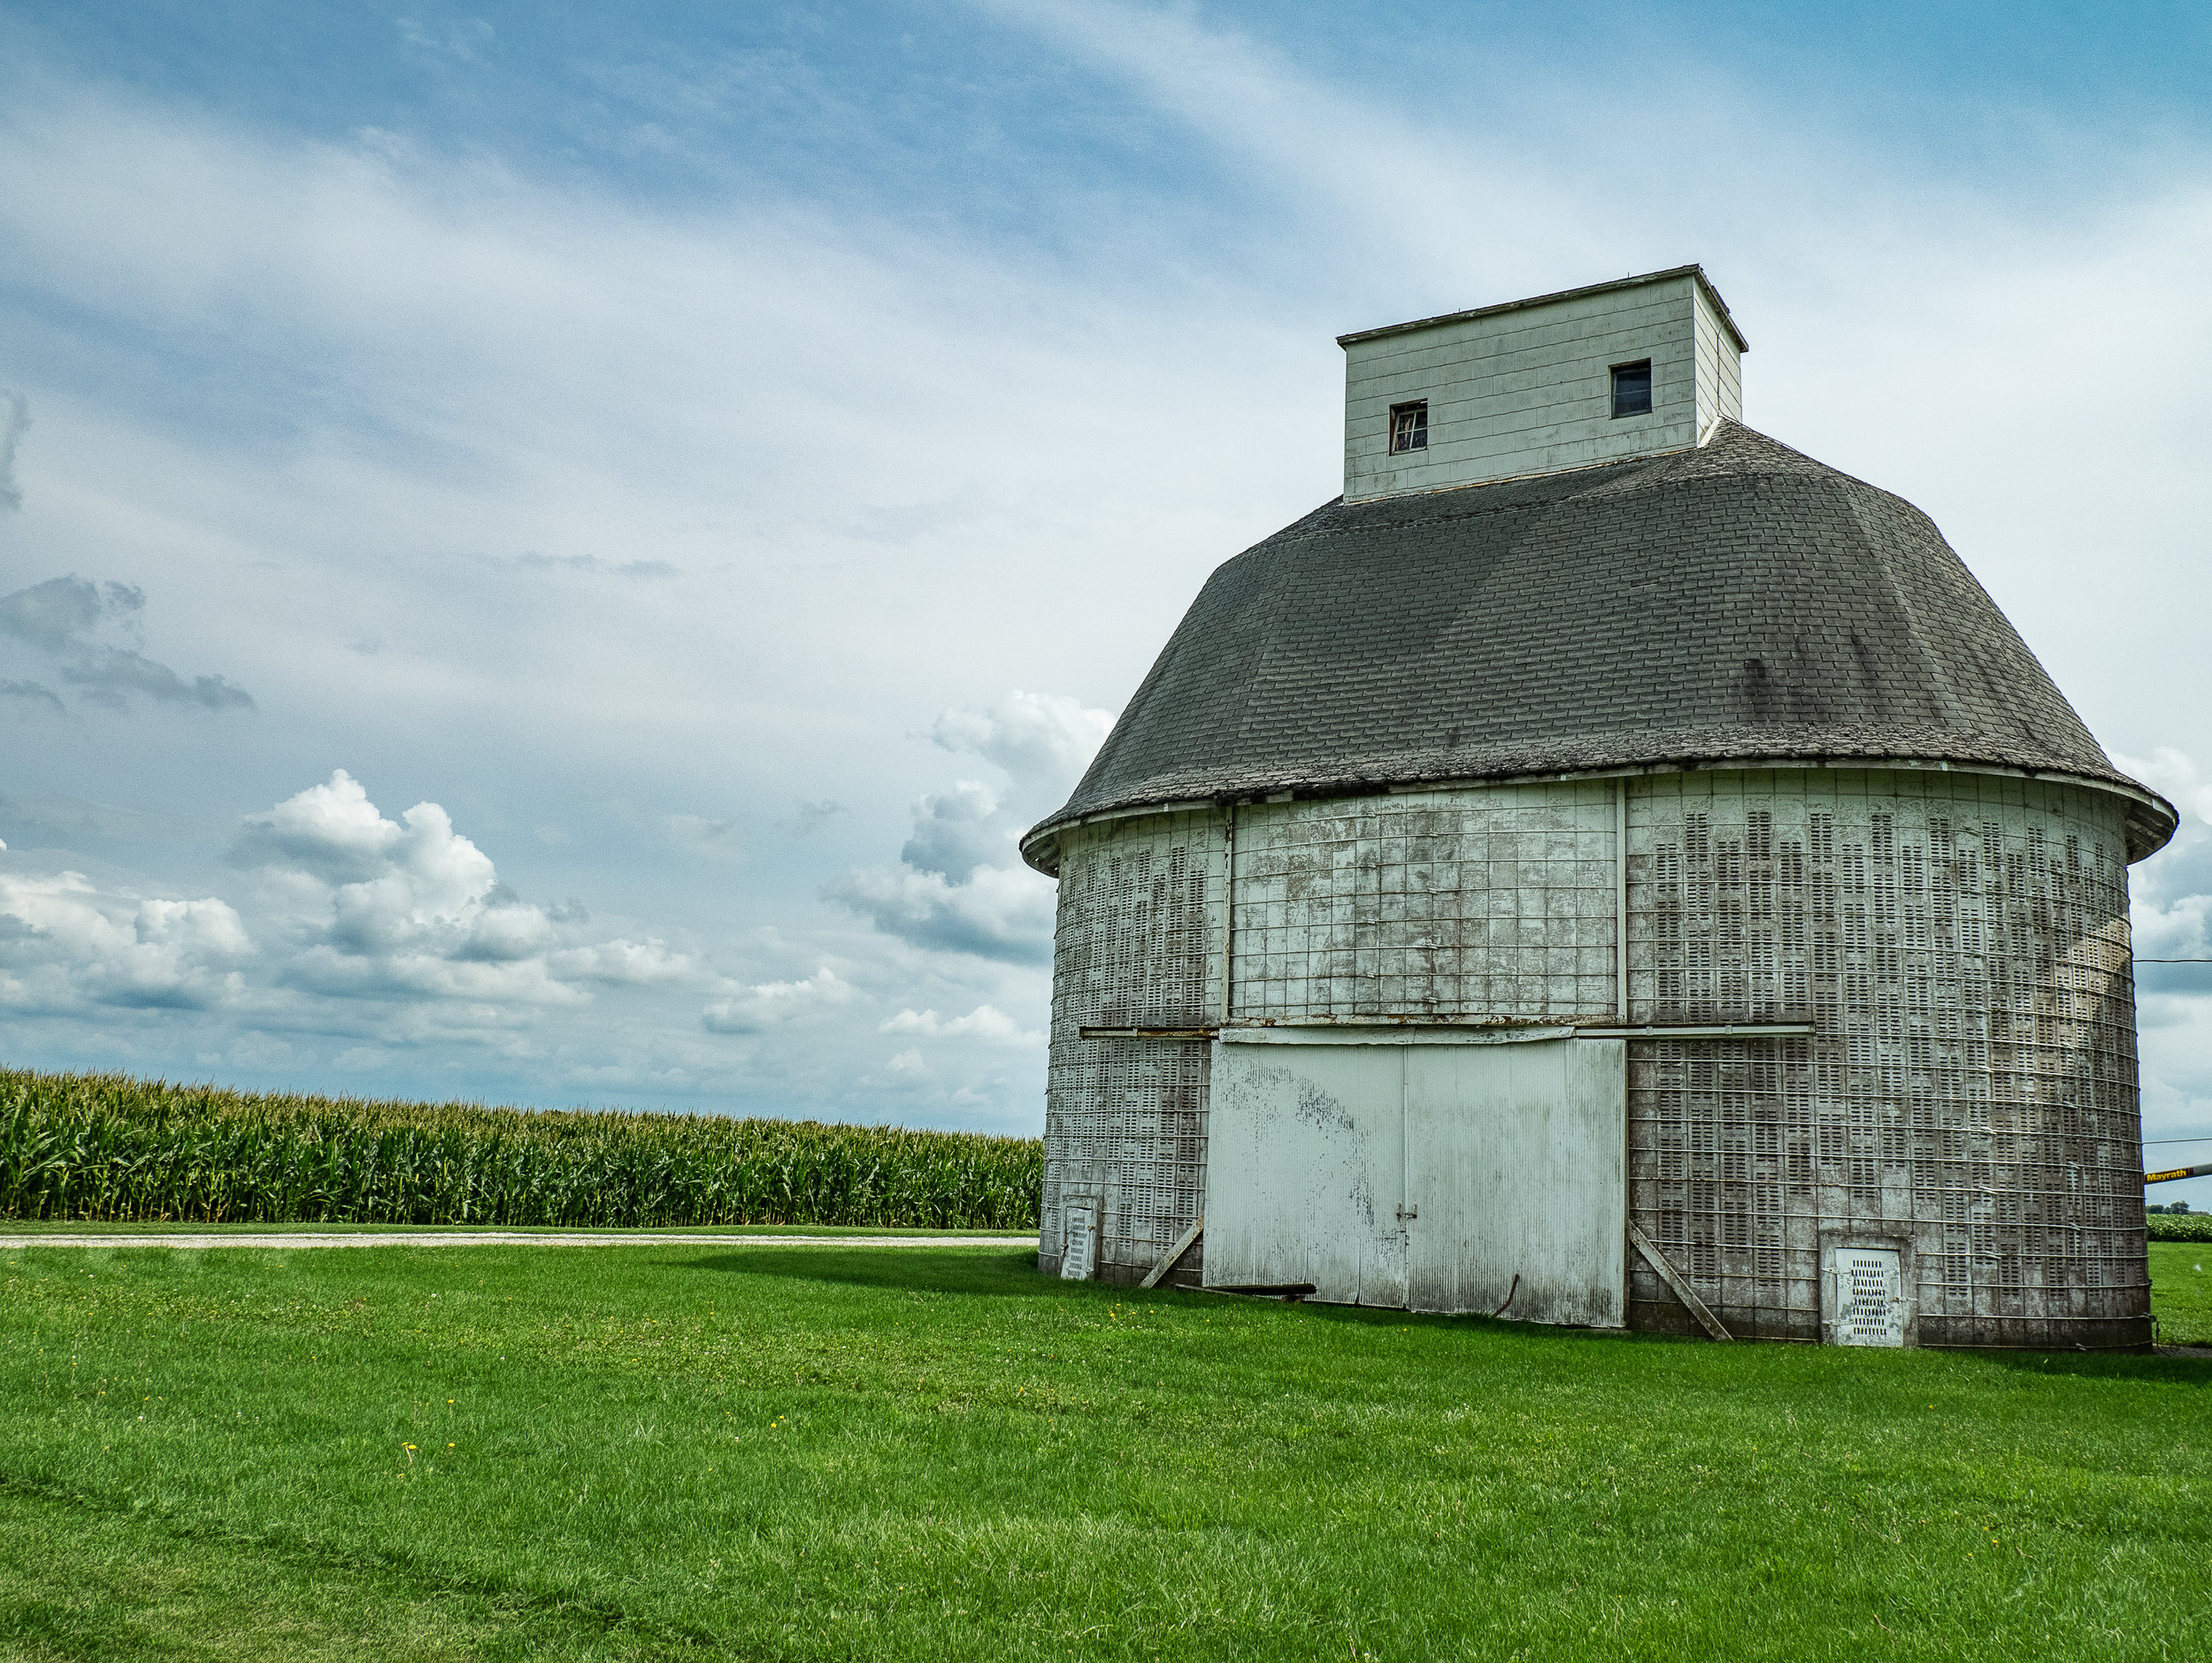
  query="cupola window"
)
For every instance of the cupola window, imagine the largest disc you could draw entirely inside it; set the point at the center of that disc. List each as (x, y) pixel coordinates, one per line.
(1409, 426)
(1632, 388)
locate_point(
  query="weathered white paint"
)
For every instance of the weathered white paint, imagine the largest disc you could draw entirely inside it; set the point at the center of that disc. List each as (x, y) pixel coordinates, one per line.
(1435, 1176)
(1480, 900)
(1527, 388)
(1515, 1174)
(1079, 1258)
(1763, 903)
(1866, 1302)
(1306, 1170)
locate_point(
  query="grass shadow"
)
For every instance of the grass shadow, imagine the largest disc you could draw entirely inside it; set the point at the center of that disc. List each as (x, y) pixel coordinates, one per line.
(2186, 1371)
(1015, 1274)
(903, 1269)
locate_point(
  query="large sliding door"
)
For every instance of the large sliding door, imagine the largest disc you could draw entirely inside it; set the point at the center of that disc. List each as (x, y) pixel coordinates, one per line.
(1516, 1181)
(1305, 1170)
(1421, 1173)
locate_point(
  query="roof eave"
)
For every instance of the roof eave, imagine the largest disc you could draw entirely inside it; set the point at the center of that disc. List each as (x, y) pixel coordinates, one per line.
(1693, 270)
(2151, 821)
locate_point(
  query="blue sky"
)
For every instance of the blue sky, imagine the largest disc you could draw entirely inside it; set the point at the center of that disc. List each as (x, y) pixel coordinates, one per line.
(720, 471)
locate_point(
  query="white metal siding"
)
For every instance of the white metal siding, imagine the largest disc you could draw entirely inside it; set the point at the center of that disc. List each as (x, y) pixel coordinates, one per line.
(1132, 946)
(1960, 944)
(1479, 901)
(1719, 368)
(1526, 390)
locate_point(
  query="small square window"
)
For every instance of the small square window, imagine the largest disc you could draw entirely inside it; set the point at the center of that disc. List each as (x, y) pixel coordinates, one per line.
(1409, 426)
(1632, 388)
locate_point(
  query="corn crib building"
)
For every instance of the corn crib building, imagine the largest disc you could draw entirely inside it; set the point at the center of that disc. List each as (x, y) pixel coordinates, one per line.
(1607, 867)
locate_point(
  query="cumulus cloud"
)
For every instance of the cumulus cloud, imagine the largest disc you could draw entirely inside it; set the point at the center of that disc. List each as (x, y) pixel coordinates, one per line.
(1044, 741)
(62, 618)
(987, 1022)
(67, 943)
(412, 909)
(996, 912)
(2172, 891)
(767, 1005)
(622, 963)
(960, 886)
(954, 832)
(15, 421)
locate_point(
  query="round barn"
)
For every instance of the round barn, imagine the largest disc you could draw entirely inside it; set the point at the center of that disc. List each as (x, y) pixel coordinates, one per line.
(1609, 869)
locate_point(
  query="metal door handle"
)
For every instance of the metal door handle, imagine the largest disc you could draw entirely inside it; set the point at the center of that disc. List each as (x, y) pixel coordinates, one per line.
(1405, 1212)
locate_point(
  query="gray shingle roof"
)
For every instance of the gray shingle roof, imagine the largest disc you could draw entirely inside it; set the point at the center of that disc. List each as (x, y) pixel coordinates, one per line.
(1740, 602)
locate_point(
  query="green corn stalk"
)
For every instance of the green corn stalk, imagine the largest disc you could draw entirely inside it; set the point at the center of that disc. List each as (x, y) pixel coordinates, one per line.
(113, 1148)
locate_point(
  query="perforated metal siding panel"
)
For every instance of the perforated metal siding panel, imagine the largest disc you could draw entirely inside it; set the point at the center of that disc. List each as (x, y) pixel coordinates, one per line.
(1491, 901)
(1961, 944)
(1125, 1119)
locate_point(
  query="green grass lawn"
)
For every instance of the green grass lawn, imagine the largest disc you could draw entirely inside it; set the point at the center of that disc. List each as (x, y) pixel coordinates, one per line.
(934, 1453)
(2181, 1292)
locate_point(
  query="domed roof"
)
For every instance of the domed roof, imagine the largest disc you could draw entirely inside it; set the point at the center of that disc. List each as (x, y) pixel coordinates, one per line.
(1736, 602)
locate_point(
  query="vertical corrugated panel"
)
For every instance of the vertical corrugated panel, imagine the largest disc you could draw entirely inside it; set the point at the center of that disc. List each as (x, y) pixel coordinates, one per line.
(1961, 944)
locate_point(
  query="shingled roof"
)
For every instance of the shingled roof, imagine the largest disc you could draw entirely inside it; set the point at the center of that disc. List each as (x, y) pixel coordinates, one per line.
(1737, 602)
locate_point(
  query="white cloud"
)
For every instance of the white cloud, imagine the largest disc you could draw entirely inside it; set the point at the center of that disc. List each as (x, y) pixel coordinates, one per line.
(767, 1005)
(410, 909)
(996, 912)
(960, 886)
(1044, 741)
(986, 1022)
(646, 963)
(2172, 891)
(67, 944)
(954, 832)
(15, 421)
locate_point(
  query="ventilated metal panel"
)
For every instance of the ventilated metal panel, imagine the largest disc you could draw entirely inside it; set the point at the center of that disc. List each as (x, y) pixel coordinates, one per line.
(1450, 904)
(1970, 1094)
(1125, 1119)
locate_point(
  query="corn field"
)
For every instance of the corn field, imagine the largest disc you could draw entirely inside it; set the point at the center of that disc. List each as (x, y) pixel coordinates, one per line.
(2180, 1227)
(113, 1148)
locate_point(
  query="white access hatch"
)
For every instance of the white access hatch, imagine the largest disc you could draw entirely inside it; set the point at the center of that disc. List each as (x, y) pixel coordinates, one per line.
(1415, 1168)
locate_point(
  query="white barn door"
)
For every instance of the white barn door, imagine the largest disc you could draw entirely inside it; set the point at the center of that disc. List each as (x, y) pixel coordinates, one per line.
(1305, 1170)
(1430, 1176)
(1517, 1180)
